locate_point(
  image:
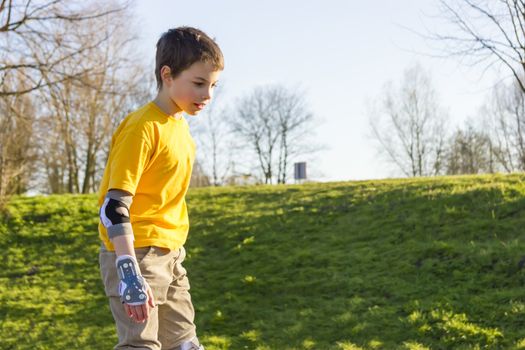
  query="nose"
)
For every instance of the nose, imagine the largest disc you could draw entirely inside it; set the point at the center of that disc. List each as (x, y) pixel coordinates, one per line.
(209, 93)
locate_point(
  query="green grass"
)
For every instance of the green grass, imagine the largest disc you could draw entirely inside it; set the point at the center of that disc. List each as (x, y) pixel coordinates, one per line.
(431, 263)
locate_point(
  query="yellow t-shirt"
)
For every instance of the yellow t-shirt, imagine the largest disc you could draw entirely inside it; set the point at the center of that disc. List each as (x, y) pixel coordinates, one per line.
(151, 156)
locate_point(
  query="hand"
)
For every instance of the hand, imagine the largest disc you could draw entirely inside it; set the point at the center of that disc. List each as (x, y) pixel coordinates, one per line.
(135, 292)
(140, 313)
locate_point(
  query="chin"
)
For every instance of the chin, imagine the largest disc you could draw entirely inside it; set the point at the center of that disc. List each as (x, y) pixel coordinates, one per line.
(193, 113)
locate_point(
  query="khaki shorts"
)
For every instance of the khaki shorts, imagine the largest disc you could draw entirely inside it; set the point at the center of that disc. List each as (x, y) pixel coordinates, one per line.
(171, 321)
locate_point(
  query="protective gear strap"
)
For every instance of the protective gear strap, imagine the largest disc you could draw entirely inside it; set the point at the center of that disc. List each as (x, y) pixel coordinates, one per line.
(114, 213)
(192, 344)
(132, 287)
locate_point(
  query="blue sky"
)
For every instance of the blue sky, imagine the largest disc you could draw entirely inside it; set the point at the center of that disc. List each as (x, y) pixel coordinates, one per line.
(340, 52)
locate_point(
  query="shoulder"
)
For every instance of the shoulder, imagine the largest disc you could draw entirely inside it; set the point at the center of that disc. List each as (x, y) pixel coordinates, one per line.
(142, 123)
(144, 116)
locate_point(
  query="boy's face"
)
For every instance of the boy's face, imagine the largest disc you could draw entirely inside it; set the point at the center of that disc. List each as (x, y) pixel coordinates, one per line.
(193, 88)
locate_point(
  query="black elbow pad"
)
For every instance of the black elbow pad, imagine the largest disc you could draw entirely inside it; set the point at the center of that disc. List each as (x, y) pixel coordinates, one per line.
(114, 212)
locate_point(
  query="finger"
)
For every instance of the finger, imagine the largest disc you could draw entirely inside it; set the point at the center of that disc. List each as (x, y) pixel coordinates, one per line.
(151, 300)
(128, 311)
(145, 311)
(140, 314)
(135, 313)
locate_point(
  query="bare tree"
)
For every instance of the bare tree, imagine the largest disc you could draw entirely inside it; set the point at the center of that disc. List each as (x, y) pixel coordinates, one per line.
(295, 125)
(504, 115)
(469, 151)
(256, 122)
(410, 126)
(213, 134)
(274, 121)
(16, 151)
(486, 32)
(492, 33)
(35, 40)
(83, 112)
(198, 176)
(36, 44)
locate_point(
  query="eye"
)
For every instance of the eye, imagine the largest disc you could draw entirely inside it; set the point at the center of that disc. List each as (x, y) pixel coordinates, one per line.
(198, 84)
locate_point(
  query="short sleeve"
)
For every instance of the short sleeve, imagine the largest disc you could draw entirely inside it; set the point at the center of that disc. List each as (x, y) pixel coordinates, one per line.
(129, 157)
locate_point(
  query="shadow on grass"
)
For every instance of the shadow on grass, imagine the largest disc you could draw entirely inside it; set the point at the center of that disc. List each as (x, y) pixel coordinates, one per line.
(452, 246)
(406, 264)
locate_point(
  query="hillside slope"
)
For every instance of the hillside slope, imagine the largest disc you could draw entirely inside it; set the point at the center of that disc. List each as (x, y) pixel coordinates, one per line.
(394, 264)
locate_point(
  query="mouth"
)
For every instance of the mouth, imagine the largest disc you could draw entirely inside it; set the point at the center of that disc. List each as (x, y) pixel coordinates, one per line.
(199, 105)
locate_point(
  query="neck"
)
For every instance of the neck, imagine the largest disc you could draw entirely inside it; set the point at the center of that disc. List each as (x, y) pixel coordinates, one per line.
(167, 105)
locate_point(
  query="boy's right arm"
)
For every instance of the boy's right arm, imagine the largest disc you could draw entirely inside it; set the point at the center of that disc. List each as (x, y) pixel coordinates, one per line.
(133, 289)
(124, 245)
(116, 215)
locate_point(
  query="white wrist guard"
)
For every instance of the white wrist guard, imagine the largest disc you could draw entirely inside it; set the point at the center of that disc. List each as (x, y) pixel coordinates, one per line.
(132, 286)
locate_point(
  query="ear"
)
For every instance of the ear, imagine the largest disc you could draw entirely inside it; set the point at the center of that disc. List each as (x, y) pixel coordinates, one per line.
(165, 74)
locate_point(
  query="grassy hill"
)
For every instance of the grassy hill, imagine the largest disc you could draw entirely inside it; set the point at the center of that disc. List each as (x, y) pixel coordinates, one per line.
(395, 264)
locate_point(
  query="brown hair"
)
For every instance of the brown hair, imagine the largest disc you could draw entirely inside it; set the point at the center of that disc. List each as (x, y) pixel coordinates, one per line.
(181, 47)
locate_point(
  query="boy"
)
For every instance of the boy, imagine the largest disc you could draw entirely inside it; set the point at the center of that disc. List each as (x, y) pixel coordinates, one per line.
(149, 165)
